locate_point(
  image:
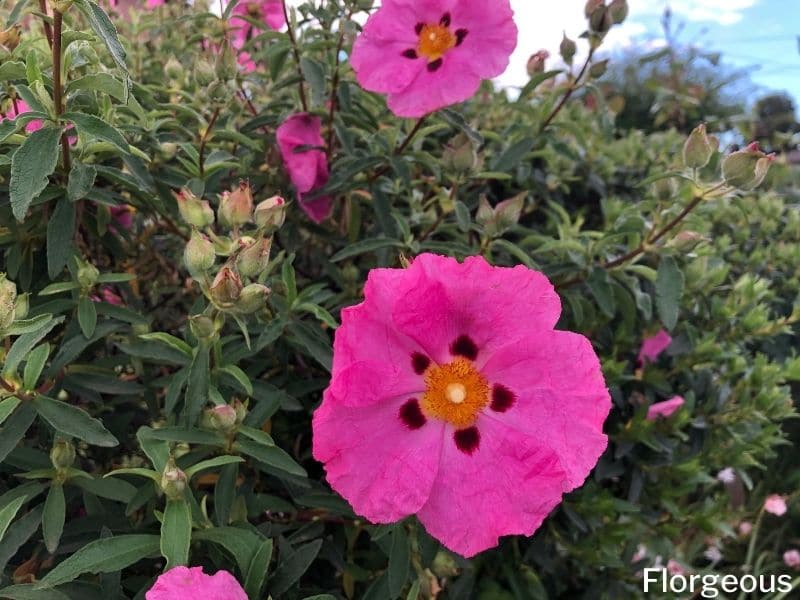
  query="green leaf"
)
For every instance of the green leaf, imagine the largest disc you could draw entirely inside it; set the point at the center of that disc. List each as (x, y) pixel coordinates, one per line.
(314, 73)
(257, 571)
(19, 533)
(7, 406)
(103, 556)
(7, 514)
(399, 561)
(289, 280)
(240, 376)
(31, 167)
(87, 317)
(73, 421)
(168, 340)
(34, 366)
(105, 30)
(182, 434)
(94, 127)
(55, 511)
(463, 218)
(669, 289)
(111, 488)
(25, 343)
(99, 82)
(27, 325)
(81, 181)
(242, 544)
(15, 428)
(292, 567)
(197, 388)
(413, 593)
(365, 246)
(599, 283)
(271, 456)
(512, 155)
(59, 288)
(256, 435)
(60, 231)
(29, 592)
(210, 464)
(176, 533)
(139, 471)
(316, 346)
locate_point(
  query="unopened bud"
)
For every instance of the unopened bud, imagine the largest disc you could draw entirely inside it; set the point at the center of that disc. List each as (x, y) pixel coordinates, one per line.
(227, 67)
(87, 275)
(173, 481)
(598, 69)
(204, 73)
(746, 169)
(226, 287)
(62, 455)
(218, 93)
(567, 49)
(618, 10)
(168, 150)
(600, 20)
(270, 213)
(699, 148)
(199, 254)
(444, 565)
(664, 189)
(21, 306)
(252, 298)
(222, 417)
(8, 299)
(254, 258)
(241, 410)
(174, 70)
(236, 207)
(459, 155)
(193, 210)
(204, 327)
(536, 62)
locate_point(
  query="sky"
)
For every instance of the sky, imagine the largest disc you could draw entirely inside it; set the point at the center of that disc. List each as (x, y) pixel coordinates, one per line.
(759, 35)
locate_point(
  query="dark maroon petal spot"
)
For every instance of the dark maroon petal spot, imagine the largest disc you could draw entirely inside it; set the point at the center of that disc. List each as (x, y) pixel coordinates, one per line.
(410, 53)
(445, 20)
(411, 414)
(434, 65)
(502, 398)
(460, 35)
(464, 346)
(419, 362)
(418, 28)
(467, 440)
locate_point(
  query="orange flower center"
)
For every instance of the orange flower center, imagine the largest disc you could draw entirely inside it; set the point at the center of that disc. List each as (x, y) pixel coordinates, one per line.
(455, 392)
(435, 41)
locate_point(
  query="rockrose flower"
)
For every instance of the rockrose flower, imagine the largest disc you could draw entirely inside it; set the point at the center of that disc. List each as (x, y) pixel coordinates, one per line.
(269, 12)
(653, 346)
(302, 149)
(792, 558)
(190, 583)
(429, 54)
(775, 504)
(665, 408)
(453, 398)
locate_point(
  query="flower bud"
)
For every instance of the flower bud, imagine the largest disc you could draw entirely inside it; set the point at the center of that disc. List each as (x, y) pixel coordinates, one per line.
(204, 327)
(444, 565)
(598, 68)
(193, 210)
(218, 93)
(664, 189)
(252, 298)
(174, 70)
(62, 455)
(236, 207)
(222, 418)
(591, 6)
(87, 275)
(254, 258)
(199, 254)
(270, 213)
(459, 155)
(567, 49)
(168, 150)
(226, 287)
(21, 306)
(699, 148)
(746, 169)
(618, 10)
(8, 298)
(173, 481)
(536, 62)
(204, 73)
(600, 20)
(241, 410)
(227, 67)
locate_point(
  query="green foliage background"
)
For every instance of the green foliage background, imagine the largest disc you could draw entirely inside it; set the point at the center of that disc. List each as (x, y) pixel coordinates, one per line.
(124, 385)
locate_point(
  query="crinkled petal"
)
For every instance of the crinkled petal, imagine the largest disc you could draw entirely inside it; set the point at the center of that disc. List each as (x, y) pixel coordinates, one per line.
(508, 485)
(190, 583)
(383, 468)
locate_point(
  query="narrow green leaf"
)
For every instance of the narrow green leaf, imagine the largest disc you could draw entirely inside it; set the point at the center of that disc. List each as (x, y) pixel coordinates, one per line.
(81, 181)
(257, 571)
(292, 567)
(7, 406)
(15, 428)
(217, 461)
(53, 517)
(20, 532)
(176, 533)
(512, 155)
(669, 289)
(27, 325)
(168, 340)
(60, 232)
(34, 366)
(105, 30)
(599, 283)
(240, 376)
(364, 246)
(25, 343)
(103, 556)
(73, 421)
(7, 514)
(242, 544)
(197, 388)
(94, 127)
(31, 167)
(29, 592)
(139, 471)
(399, 561)
(87, 317)
(271, 456)
(256, 435)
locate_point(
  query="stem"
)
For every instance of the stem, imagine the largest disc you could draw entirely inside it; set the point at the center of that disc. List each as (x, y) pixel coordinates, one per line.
(751, 547)
(204, 140)
(58, 90)
(335, 84)
(568, 94)
(48, 30)
(296, 52)
(400, 148)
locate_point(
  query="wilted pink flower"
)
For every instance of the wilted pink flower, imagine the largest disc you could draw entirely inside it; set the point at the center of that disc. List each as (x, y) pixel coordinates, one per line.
(109, 296)
(775, 504)
(745, 527)
(19, 107)
(792, 558)
(446, 404)
(269, 12)
(122, 215)
(665, 408)
(653, 346)
(190, 583)
(673, 567)
(431, 54)
(302, 149)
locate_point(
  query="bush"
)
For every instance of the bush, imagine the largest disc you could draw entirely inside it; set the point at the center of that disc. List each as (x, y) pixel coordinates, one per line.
(155, 413)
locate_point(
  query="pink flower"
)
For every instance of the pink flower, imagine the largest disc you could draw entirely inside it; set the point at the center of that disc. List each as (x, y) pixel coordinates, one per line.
(19, 107)
(307, 167)
(190, 583)
(453, 398)
(792, 558)
(269, 12)
(665, 408)
(673, 567)
(122, 215)
(745, 527)
(433, 53)
(109, 296)
(653, 346)
(155, 3)
(775, 504)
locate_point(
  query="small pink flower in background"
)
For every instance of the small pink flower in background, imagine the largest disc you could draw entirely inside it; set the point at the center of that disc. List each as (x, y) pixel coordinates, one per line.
(665, 408)
(269, 12)
(109, 296)
(726, 475)
(673, 567)
(745, 527)
(190, 583)
(307, 167)
(445, 403)
(713, 553)
(792, 558)
(431, 54)
(775, 505)
(640, 554)
(122, 215)
(653, 346)
(19, 107)
(155, 3)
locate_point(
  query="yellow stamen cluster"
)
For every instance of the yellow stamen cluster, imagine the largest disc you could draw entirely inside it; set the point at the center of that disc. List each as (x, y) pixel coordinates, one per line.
(455, 392)
(435, 41)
